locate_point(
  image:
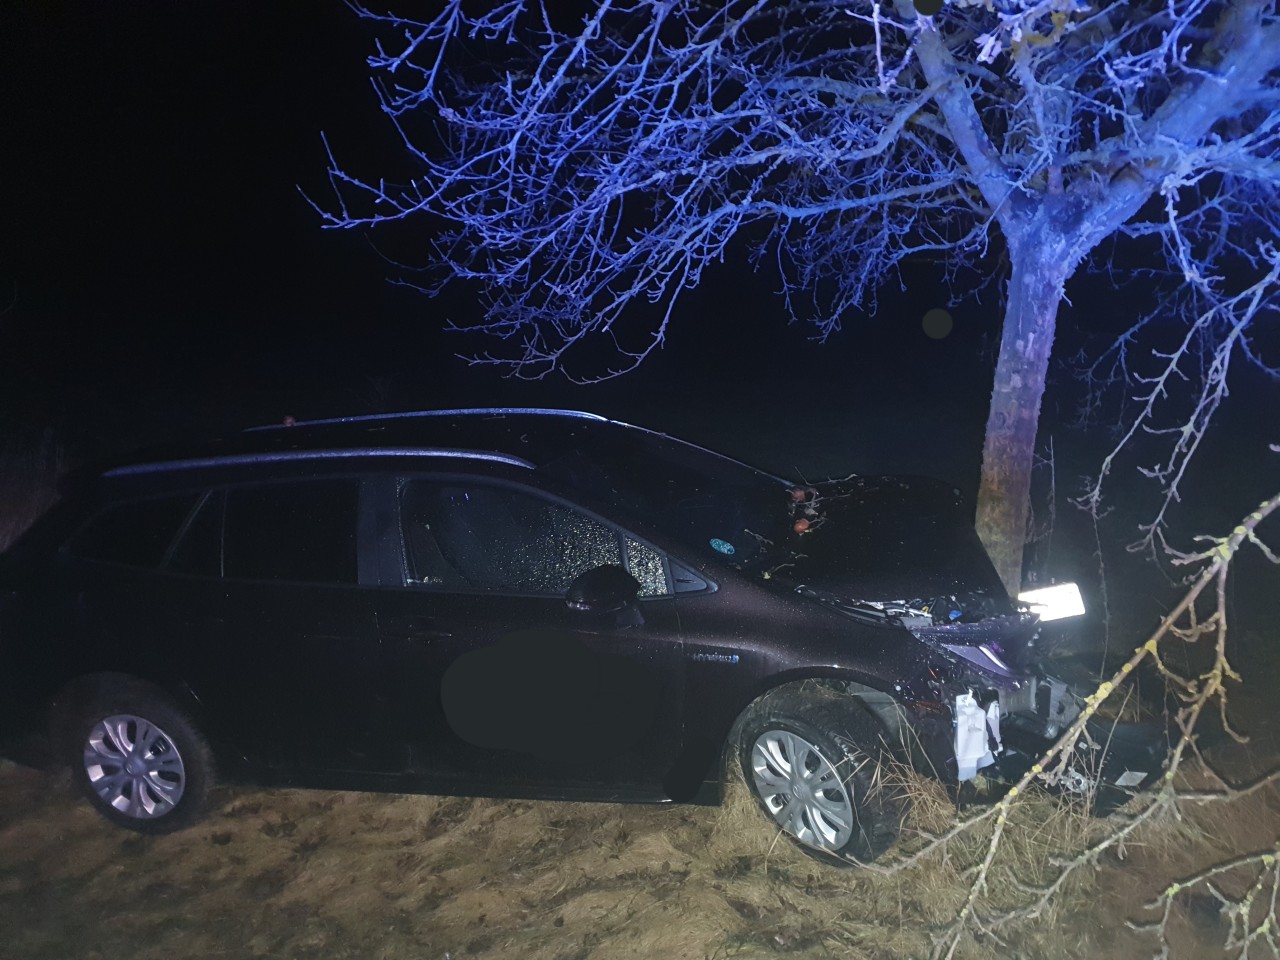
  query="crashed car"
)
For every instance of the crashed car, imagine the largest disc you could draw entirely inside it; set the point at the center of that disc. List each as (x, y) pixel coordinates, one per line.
(520, 603)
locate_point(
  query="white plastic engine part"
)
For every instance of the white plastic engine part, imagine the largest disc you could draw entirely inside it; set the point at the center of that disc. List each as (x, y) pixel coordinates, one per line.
(972, 751)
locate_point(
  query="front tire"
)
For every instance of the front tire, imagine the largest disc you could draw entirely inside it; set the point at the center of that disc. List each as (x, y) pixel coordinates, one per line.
(141, 761)
(815, 762)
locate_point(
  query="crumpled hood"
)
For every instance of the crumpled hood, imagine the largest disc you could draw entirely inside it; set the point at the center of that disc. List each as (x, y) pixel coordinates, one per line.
(878, 539)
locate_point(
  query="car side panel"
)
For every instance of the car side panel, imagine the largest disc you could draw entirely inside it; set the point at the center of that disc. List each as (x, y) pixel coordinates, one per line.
(523, 694)
(744, 639)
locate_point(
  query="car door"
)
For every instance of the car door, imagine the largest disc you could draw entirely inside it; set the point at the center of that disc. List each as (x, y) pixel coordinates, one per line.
(285, 661)
(496, 683)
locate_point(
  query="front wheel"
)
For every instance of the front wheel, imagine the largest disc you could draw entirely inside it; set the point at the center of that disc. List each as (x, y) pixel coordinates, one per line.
(141, 762)
(816, 764)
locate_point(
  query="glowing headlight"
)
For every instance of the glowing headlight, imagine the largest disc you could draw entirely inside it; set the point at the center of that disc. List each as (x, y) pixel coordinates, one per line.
(1054, 603)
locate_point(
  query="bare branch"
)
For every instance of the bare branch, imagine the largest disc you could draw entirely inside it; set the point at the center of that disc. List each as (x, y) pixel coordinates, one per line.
(1196, 694)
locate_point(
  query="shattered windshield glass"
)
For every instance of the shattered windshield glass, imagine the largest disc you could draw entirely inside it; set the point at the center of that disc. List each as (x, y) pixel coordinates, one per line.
(710, 503)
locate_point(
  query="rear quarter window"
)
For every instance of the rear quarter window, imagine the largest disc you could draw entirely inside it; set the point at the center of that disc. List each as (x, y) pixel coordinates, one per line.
(134, 533)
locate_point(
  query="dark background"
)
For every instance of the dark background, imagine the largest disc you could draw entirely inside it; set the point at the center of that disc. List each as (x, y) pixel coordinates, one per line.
(163, 273)
(155, 236)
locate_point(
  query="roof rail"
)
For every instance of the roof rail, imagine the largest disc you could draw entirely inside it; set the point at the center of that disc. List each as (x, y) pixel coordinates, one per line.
(409, 414)
(291, 455)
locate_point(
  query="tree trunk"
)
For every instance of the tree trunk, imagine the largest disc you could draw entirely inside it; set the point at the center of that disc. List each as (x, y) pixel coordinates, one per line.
(1008, 454)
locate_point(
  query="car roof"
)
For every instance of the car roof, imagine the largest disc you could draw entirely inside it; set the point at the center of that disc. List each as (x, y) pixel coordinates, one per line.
(526, 437)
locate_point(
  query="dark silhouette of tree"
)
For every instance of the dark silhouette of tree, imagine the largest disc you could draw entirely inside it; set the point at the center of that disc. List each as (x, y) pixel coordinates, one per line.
(591, 167)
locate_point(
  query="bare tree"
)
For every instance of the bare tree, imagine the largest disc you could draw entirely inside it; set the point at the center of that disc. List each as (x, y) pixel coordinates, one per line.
(592, 169)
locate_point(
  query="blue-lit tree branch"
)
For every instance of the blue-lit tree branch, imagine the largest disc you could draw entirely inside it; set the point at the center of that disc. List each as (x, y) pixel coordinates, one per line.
(592, 169)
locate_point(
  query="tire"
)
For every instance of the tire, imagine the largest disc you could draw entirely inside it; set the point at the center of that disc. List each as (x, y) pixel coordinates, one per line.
(798, 740)
(140, 760)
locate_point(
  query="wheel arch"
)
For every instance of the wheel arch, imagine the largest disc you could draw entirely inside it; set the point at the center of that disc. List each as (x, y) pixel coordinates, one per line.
(76, 695)
(883, 707)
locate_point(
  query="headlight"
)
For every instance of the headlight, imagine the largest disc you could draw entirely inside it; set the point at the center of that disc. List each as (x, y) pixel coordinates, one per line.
(1054, 603)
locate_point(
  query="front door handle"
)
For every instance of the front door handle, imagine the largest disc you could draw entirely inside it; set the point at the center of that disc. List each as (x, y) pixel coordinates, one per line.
(418, 628)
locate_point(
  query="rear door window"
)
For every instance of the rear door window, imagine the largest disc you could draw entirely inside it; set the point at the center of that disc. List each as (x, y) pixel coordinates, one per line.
(303, 532)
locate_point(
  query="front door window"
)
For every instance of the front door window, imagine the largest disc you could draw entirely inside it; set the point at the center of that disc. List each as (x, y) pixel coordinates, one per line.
(491, 538)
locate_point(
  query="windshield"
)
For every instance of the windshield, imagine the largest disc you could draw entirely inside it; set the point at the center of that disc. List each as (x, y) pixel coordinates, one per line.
(709, 503)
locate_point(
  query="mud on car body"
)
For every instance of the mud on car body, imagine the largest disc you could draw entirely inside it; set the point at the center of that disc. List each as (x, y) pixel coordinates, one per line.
(515, 602)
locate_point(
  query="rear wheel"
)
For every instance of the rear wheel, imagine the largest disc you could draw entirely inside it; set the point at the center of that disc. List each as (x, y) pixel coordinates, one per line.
(140, 760)
(816, 763)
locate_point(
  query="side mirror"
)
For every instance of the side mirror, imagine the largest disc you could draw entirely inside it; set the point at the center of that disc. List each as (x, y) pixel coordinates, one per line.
(602, 590)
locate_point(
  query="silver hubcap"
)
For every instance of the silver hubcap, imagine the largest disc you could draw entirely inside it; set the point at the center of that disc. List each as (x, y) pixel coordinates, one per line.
(134, 766)
(802, 790)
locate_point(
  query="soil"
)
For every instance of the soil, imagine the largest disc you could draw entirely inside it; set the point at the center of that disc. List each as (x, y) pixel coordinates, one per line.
(315, 874)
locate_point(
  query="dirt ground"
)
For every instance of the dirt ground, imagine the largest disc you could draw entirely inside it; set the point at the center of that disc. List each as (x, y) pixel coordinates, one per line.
(313, 874)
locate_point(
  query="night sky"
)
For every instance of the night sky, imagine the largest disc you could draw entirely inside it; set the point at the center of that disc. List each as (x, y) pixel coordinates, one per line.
(155, 243)
(154, 234)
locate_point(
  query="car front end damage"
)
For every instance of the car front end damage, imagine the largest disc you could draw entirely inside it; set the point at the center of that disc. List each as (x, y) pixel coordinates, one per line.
(983, 705)
(1002, 710)
(983, 709)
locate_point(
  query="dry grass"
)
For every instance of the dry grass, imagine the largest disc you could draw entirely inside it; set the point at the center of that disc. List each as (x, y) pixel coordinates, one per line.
(314, 874)
(318, 874)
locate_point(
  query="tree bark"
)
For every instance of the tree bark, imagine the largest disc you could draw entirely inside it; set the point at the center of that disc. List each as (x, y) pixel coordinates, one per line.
(1008, 453)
